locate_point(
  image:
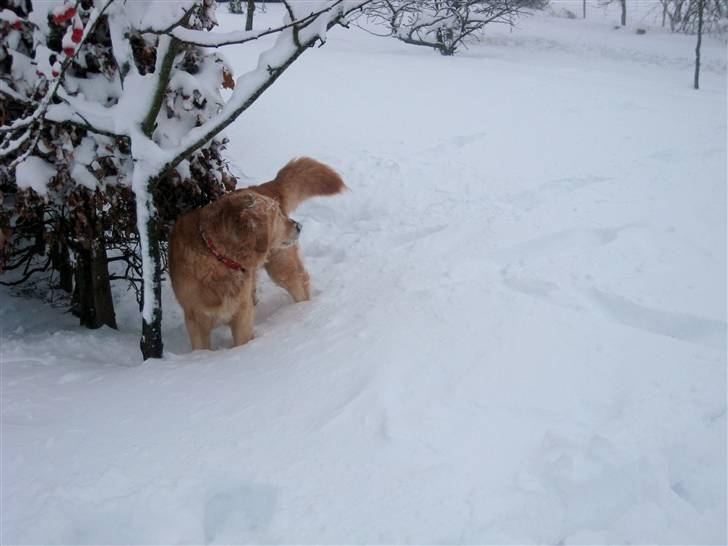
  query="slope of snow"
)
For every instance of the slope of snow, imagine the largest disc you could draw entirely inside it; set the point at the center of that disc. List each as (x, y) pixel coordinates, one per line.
(517, 334)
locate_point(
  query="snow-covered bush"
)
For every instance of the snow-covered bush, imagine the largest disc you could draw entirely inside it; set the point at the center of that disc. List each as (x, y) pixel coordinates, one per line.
(444, 25)
(112, 114)
(83, 217)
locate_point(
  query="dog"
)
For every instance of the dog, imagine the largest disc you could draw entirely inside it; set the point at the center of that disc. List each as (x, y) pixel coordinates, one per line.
(215, 251)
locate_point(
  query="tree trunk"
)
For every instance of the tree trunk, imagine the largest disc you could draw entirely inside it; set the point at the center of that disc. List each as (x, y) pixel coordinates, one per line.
(249, 15)
(701, 8)
(623, 3)
(676, 16)
(103, 300)
(61, 262)
(82, 302)
(92, 301)
(148, 220)
(151, 342)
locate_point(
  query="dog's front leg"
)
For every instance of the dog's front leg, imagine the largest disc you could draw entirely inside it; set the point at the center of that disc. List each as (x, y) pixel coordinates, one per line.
(199, 329)
(241, 324)
(286, 269)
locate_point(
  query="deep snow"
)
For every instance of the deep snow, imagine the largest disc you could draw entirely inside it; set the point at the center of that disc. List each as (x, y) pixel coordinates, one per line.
(518, 332)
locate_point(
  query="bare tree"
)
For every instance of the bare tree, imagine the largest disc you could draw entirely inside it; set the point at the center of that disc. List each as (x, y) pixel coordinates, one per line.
(249, 12)
(444, 25)
(701, 8)
(685, 15)
(622, 7)
(235, 6)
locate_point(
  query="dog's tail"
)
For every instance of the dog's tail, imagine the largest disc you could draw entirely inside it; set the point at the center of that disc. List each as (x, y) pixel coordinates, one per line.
(300, 179)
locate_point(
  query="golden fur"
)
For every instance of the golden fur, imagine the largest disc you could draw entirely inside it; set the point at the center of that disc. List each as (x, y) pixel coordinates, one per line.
(252, 228)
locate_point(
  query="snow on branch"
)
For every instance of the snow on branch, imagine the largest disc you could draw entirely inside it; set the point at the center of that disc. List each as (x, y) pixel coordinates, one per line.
(10, 145)
(292, 41)
(303, 15)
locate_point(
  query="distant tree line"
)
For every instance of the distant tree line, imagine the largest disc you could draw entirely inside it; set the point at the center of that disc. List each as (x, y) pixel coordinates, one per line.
(685, 15)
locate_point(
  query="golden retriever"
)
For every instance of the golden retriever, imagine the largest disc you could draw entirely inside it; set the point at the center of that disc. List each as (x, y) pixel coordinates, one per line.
(216, 251)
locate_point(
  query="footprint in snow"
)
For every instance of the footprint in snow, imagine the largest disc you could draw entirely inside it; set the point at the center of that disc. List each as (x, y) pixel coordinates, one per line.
(683, 326)
(240, 513)
(530, 199)
(543, 290)
(403, 239)
(569, 239)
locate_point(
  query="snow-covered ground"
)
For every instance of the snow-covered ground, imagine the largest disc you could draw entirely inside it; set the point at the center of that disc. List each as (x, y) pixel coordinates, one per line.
(518, 332)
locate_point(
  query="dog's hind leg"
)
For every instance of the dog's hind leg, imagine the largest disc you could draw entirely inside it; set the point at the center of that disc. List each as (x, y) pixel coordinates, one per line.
(286, 269)
(199, 329)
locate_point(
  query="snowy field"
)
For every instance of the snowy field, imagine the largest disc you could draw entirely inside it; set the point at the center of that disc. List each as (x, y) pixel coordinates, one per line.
(517, 334)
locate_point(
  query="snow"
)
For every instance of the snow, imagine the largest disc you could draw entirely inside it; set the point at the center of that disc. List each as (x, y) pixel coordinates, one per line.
(151, 14)
(144, 169)
(34, 173)
(9, 17)
(39, 17)
(283, 51)
(517, 332)
(83, 176)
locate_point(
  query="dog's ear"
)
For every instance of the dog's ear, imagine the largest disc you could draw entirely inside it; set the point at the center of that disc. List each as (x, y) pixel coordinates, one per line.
(239, 226)
(255, 231)
(221, 222)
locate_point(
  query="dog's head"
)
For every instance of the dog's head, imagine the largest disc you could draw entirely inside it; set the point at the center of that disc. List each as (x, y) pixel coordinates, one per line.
(247, 226)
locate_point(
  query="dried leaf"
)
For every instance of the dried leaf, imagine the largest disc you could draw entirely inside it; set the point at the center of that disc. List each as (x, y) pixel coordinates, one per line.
(228, 82)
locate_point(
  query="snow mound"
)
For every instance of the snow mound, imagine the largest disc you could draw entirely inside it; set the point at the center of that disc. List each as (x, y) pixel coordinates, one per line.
(517, 332)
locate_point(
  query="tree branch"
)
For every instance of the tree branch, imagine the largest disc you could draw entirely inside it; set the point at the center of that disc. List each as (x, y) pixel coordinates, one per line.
(201, 135)
(163, 71)
(56, 81)
(203, 38)
(28, 274)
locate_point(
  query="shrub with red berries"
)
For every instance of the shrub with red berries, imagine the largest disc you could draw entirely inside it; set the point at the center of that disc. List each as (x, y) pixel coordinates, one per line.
(86, 212)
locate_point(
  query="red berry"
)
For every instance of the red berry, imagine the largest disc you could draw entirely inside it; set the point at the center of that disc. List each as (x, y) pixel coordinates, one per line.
(55, 73)
(76, 35)
(69, 51)
(70, 12)
(58, 19)
(18, 25)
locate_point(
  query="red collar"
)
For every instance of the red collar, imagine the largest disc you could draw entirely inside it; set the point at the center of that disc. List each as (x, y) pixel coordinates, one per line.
(227, 262)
